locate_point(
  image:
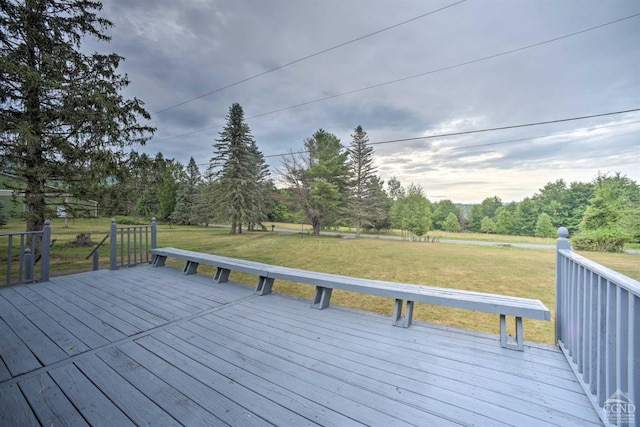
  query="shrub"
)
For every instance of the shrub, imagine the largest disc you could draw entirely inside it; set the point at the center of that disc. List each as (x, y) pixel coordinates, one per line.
(600, 240)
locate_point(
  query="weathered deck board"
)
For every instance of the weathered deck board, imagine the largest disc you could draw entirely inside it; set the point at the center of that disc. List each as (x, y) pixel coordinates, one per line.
(95, 407)
(68, 342)
(49, 403)
(151, 346)
(175, 403)
(319, 342)
(139, 408)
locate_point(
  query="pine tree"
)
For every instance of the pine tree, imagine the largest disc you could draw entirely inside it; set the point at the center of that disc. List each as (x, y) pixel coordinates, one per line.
(240, 172)
(365, 203)
(184, 212)
(261, 199)
(61, 112)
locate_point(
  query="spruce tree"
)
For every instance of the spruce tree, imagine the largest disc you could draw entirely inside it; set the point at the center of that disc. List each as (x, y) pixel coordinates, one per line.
(238, 168)
(184, 212)
(61, 112)
(365, 201)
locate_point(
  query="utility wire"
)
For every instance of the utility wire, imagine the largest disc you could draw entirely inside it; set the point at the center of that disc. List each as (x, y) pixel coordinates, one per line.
(466, 147)
(416, 75)
(308, 57)
(468, 132)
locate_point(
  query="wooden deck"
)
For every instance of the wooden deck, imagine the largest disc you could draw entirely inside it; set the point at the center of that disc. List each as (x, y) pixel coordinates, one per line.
(151, 346)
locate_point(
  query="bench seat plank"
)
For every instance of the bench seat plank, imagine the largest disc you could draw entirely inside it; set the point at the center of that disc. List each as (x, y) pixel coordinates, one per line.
(500, 304)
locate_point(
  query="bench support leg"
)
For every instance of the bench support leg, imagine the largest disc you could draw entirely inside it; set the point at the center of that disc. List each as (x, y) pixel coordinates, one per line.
(321, 297)
(222, 275)
(158, 260)
(264, 285)
(400, 320)
(505, 340)
(190, 267)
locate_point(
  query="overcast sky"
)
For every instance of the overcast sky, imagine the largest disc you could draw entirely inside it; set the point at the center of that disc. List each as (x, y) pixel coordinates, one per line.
(178, 50)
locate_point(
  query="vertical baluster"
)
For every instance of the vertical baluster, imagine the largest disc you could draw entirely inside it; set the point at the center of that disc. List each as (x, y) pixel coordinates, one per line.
(113, 248)
(587, 322)
(633, 358)
(122, 243)
(602, 339)
(579, 325)
(140, 246)
(146, 242)
(610, 358)
(21, 259)
(137, 233)
(572, 310)
(622, 322)
(591, 375)
(9, 258)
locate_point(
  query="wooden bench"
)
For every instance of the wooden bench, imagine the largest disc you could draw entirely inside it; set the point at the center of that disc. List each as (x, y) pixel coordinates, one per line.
(224, 265)
(402, 293)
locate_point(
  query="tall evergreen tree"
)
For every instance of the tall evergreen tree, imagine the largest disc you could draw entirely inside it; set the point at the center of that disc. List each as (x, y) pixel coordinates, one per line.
(184, 211)
(238, 167)
(262, 200)
(61, 112)
(365, 203)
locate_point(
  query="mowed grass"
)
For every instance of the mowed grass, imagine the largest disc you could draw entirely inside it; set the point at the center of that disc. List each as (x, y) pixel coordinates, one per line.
(499, 269)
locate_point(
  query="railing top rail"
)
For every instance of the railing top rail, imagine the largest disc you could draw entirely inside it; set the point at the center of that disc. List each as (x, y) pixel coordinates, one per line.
(133, 226)
(18, 233)
(621, 280)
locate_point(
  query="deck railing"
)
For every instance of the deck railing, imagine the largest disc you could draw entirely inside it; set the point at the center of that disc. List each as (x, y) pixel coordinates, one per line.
(129, 246)
(598, 330)
(23, 250)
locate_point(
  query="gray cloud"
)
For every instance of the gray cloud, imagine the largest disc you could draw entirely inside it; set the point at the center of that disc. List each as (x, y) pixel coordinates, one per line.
(179, 50)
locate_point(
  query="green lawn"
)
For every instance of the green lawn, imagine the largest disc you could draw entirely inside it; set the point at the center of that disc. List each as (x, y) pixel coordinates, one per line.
(496, 269)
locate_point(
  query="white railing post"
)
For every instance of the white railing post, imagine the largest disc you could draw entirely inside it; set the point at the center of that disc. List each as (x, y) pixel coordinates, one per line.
(562, 243)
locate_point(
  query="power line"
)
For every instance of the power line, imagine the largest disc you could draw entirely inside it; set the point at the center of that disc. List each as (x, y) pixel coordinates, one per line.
(485, 58)
(494, 129)
(308, 57)
(466, 147)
